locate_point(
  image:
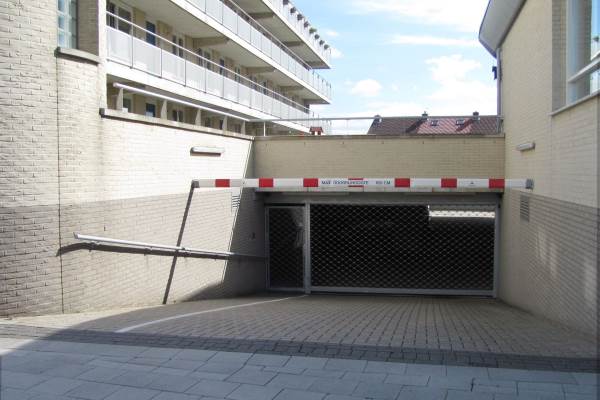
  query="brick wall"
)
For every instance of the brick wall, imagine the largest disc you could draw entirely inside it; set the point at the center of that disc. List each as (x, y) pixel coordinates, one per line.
(372, 156)
(30, 270)
(549, 265)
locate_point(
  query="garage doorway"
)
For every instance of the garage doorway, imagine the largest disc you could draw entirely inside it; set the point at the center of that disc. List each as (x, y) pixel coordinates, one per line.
(445, 249)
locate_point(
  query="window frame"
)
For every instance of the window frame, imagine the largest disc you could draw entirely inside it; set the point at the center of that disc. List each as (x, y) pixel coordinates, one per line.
(580, 69)
(71, 22)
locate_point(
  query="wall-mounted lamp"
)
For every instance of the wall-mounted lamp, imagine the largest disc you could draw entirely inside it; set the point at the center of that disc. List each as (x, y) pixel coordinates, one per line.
(207, 151)
(526, 146)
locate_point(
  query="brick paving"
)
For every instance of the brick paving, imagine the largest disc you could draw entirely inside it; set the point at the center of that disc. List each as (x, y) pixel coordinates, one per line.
(445, 331)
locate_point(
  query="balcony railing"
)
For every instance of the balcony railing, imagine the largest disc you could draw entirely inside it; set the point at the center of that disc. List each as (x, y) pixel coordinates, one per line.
(300, 28)
(231, 16)
(199, 73)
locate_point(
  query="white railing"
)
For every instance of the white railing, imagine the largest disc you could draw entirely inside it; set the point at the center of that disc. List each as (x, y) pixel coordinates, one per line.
(126, 49)
(301, 30)
(240, 23)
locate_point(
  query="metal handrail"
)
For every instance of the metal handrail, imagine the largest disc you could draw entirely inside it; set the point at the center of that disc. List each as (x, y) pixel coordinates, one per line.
(163, 247)
(251, 84)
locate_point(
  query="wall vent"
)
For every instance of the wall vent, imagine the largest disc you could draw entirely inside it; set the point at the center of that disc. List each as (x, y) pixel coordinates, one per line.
(236, 199)
(524, 208)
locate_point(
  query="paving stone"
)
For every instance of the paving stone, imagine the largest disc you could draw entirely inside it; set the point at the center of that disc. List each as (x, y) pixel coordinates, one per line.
(464, 395)
(333, 386)
(255, 377)
(364, 376)
(322, 373)
(422, 393)
(285, 370)
(93, 390)
(306, 362)
(134, 378)
(290, 394)
(14, 394)
(128, 393)
(408, 380)
(101, 374)
(213, 388)
(189, 365)
(450, 383)
(581, 389)
(586, 378)
(494, 389)
(194, 355)
(69, 371)
(172, 383)
(531, 376)
(175, 396)
(575, 396)
(171, 371)
(385, 367)
(20, 380)
(345, 365)
(56, 386)
(377, 390)
(254, 392)
(268, 360)
(342, 397)
(159, 352)
(148, 361)
(221, 368)
(290, 381)
(534, 395)
(466, 372)
(426, 369)
(539, 387)
(211, 376)
(229, 357)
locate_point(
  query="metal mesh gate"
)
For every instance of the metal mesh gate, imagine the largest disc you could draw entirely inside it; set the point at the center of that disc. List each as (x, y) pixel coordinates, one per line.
(286, 247)
(420, 248)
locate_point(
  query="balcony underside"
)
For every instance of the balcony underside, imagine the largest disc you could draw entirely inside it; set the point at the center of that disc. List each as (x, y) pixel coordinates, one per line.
(308, 50)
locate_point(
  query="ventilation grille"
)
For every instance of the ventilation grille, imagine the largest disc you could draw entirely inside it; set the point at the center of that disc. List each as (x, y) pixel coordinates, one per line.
(524, 208)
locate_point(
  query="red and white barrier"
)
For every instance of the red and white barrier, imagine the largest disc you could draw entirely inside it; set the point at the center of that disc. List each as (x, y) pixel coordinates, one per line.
(366, 184)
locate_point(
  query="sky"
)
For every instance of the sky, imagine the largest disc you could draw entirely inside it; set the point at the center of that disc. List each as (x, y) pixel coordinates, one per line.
(403, 57)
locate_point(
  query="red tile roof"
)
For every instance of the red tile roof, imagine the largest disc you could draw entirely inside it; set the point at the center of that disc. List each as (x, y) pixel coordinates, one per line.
(408, 126)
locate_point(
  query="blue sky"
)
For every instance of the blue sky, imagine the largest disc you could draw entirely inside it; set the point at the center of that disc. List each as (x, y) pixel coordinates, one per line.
(402, 57)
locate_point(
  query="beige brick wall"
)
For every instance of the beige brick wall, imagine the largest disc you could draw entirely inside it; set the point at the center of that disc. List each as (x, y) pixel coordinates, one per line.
(371, 156)
(29, 268)
(549, 265)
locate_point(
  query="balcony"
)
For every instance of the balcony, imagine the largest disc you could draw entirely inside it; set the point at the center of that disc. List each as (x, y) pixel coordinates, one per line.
(249, 30)
(299, 26)
(199, 74)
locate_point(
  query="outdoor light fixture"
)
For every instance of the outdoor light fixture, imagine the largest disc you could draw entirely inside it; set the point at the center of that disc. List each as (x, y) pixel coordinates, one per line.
(526, 146)
(207, 151)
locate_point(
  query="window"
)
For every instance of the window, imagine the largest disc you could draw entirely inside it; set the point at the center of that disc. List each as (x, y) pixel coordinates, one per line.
(208, 63)
(67, 23)
(207, 122)
(150, 110)
(238, 73)
(177, 115)
(222, 66)
(583, 48)
(265, 86)
(127, 102)
(121, 22)
(177, 50)
(150, 35)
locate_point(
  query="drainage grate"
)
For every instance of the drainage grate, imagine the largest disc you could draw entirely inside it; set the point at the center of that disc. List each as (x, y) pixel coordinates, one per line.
(417, 247)
(524, 208)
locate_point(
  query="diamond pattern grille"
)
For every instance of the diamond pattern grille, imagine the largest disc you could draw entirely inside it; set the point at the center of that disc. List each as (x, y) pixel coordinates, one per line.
(286, 239)
(404, 247)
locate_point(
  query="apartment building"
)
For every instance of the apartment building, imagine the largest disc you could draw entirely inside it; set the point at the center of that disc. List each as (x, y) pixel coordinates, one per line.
(221, 63)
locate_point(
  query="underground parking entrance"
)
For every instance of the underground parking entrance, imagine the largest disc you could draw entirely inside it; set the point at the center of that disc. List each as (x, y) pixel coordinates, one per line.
(406, 277)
